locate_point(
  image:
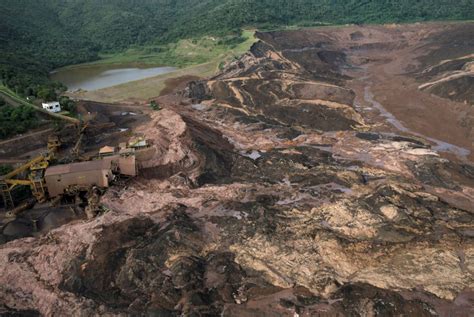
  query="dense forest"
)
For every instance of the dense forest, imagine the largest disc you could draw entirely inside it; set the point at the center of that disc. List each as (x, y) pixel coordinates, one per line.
(37, 36)
(14, 120)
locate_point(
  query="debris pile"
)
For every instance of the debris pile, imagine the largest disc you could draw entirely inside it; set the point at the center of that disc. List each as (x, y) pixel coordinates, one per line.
(274, 196)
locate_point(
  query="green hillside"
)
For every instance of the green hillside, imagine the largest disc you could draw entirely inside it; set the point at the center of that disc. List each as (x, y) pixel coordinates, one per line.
(39, 35)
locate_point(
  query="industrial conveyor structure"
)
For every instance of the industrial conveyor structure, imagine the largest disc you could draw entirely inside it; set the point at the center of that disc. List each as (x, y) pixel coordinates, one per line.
(30, 174)
(50, 182)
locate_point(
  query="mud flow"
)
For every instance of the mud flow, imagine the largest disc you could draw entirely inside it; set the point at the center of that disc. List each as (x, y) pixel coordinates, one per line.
(327, 172)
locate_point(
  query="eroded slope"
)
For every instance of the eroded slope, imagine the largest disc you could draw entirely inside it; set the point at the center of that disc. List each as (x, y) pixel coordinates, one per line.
(266, 192)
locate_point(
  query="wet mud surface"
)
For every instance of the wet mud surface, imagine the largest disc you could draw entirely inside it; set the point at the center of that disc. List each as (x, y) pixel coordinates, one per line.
(270, 191)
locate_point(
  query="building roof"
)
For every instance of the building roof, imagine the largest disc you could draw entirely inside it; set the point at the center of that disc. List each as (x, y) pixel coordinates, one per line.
(139, 143)
(98, 165)
(53, 103)
(107, 150)
(126, 151)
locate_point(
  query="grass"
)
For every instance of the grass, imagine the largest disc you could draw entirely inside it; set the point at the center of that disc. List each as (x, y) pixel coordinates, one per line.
(194, 57)
(183, 53)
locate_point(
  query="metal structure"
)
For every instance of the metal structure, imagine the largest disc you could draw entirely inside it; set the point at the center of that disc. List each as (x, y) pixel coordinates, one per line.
(52, 183)
(62, 178)
(34, 178)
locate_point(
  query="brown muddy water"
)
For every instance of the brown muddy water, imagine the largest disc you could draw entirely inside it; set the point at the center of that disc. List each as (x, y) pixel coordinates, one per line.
(94, 77)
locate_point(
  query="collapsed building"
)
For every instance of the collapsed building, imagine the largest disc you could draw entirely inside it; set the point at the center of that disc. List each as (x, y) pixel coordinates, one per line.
(60, 178)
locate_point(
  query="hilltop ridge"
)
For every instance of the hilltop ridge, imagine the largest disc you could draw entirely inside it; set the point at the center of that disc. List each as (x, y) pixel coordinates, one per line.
(38, 36)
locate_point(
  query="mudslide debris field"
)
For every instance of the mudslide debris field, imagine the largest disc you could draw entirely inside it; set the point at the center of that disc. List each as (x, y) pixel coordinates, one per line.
(327, 171)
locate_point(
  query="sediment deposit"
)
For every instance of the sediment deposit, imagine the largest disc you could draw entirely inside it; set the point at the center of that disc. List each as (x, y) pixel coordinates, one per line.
(294, 183)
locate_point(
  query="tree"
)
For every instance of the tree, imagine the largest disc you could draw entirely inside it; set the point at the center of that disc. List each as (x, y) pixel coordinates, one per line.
(5, 169)
(155, 106)
(14, 120)
(28, 91)
(67, 104)
(47, 94)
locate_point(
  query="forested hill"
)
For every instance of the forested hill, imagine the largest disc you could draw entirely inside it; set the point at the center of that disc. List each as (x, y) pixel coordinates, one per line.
(39, 35)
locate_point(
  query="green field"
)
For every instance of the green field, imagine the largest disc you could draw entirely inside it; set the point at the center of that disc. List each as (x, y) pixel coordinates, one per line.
(199, 57)
(184, 52)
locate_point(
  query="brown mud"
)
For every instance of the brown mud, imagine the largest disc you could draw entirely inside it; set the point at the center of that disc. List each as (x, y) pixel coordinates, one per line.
(176, 84)
(281, 187)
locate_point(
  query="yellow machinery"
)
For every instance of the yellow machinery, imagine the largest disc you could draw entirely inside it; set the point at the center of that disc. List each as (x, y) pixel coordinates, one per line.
(35, 170)
(32, 174)
(35, 178)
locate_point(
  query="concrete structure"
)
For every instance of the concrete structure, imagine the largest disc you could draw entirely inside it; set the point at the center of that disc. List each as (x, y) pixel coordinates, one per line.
(94, 173)
(127, 166)
(52, 106)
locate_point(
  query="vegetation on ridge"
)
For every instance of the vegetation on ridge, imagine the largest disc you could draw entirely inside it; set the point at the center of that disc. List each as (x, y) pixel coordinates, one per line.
(38, 36)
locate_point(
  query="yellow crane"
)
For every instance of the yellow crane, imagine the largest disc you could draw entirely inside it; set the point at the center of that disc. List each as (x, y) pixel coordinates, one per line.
(35, 176)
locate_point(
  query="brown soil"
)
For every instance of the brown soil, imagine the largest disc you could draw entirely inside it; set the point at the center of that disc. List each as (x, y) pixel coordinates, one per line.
(271, 190)
(176, 84)
(392, 70)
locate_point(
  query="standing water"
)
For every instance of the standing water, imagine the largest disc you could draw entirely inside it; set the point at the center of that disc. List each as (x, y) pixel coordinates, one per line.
(94, 77)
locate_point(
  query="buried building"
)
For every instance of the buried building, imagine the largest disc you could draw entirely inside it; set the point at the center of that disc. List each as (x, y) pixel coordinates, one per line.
(85, 174)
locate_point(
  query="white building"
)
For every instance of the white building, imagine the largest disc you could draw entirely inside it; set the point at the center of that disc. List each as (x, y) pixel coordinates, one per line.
(52, 106)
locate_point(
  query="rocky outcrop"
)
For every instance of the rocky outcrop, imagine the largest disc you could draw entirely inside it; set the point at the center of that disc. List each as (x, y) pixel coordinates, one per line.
(448, 70)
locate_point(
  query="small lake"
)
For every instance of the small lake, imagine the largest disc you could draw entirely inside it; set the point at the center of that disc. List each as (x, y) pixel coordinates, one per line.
(94, 77)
